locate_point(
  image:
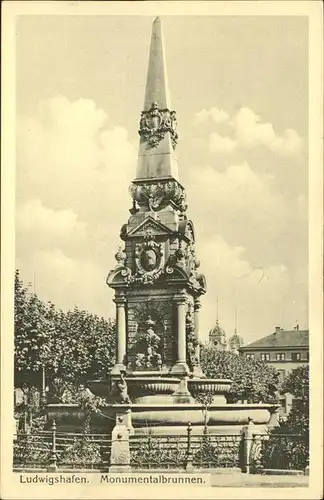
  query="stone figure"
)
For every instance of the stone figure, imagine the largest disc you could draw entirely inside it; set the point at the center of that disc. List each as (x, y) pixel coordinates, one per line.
(122, 396)
(159, 361)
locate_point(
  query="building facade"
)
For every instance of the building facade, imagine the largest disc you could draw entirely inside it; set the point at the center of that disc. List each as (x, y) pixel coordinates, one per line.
(283, 349)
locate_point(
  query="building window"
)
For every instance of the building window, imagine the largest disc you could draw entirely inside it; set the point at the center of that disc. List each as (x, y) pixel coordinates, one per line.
(250, 356)
(265, 356)
(296, 356)
(280, 356)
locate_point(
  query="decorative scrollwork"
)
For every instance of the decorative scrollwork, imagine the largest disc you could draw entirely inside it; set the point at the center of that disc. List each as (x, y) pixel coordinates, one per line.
(157, 194)
(155, 123)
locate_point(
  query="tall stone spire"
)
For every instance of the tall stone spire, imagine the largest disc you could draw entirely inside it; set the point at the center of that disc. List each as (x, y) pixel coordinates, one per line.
(156, 280)
(157, 87)
(158, 136)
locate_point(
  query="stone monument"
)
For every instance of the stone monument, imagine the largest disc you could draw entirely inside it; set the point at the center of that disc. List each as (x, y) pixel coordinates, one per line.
(157, 381)
(156, 280)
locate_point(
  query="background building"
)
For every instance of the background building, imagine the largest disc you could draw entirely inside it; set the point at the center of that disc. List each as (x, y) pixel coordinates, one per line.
(217, 337)
(285, 350)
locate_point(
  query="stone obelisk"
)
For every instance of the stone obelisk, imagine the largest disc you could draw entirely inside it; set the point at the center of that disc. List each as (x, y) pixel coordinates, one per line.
(156, 280)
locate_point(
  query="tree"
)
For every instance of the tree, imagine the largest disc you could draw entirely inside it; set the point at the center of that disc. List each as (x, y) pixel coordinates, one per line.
(297, 383)
(31, 340)
(72, 346)
(288, 445)
(253, 381)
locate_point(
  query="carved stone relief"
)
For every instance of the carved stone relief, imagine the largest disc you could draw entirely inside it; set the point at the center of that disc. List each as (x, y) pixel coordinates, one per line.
(155, 195)
(155, 123)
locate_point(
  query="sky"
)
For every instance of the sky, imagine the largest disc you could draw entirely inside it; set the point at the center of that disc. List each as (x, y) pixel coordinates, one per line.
(241, 96)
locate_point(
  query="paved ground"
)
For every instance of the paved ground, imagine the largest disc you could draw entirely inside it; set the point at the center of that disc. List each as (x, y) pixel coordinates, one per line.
(237, 480)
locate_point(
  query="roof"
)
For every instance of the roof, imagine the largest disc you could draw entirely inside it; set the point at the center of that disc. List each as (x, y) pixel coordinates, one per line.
(217, 331)
(281, 338)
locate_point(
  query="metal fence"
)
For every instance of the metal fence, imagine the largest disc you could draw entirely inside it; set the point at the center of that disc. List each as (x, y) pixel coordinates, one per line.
(54, 450)
(186, 451)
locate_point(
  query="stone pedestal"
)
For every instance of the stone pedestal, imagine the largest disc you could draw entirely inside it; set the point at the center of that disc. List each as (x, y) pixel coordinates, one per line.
(120, 450)
(247, 435)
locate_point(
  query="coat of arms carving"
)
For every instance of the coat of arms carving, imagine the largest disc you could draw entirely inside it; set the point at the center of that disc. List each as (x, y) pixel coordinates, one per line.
(155, 123)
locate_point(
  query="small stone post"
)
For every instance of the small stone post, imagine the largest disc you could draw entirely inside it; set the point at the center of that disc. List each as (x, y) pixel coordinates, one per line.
(53, 458)
(247, 436)
(120, 450)
(189, 466)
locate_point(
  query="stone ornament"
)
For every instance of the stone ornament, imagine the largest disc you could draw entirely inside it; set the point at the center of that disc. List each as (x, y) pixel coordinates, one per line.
(150, 342)
(120, 256)
(155, 195)
(155, 123)
(149, 259)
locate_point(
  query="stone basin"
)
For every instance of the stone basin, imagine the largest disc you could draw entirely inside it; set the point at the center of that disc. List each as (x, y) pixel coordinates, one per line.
(217, 388)
(164, 419)
(140, 388)
(151, 388)
(174, 418)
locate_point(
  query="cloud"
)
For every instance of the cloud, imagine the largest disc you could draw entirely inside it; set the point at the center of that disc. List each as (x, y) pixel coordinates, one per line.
(236, 190)
(251, 243)
(32, 215)
(221, 144)
(73, 172)
(251, 132)
(248, 131)
(67, 281)
(256, 292)
(215, 114)
(71, 145)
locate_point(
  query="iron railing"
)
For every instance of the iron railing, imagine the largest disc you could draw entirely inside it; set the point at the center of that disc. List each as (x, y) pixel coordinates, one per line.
(185, 451)
(54, 450)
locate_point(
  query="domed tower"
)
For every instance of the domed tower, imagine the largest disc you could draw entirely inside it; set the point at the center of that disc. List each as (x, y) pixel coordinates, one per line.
(235, 342)
(217, 337)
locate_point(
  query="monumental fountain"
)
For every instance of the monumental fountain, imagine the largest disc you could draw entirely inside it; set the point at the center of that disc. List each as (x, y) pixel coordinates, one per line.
(157, 379)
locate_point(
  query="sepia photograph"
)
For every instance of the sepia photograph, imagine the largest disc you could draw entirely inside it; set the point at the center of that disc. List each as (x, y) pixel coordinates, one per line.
(163, 270)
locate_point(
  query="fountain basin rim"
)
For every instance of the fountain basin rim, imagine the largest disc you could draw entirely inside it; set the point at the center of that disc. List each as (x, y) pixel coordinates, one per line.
(184, 406)
(209, 381)
(140, 378)
(196, 406)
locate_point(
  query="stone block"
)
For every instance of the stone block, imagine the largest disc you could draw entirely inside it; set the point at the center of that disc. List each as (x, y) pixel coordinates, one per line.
(120, 450)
